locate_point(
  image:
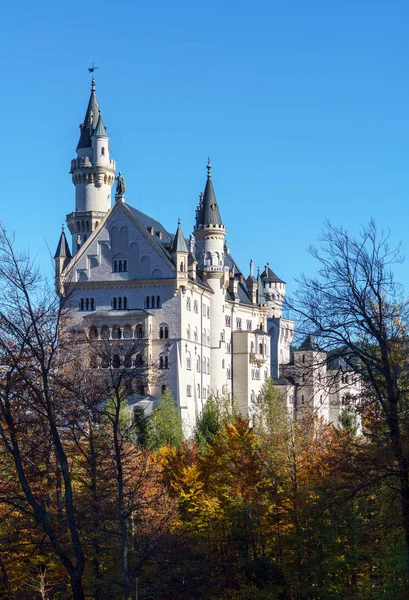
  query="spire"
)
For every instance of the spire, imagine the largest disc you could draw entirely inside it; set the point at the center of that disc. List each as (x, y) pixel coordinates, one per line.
(90, 119)
(179, 242)
(261, 299)
(208, 213)
(63, 250)
(100, 129)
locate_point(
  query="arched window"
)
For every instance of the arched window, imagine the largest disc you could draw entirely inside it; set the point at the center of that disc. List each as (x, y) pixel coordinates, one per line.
(252, 347)
(204, 365)
(120, 266)
(204, 336)
(161, 362)
(222, 336)
(103, 151)
(105, 332)
(198, 390)
(153, 302)
(125, 265)
(166, 362)
(125, 303)
(116, 361)
(188, 304)
(195, 334)
(195, 306)
(188, 362)
(166, 333)
(147, 302)
(223, 363)
(198, 364)
(116, 332)
(114, 302)
(188, 332)
(115, 267)
(82, 304)
(208, 366)
(127, 361)
(182, 266)
(92, 304)
(87, 304)
(119, 303)
(161, 333)
(260, 349)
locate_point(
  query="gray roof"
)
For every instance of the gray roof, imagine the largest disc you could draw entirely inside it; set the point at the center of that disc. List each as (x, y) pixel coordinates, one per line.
(148, 222)
(208, 213)
(100, 129)
(63, 250)
(137, 312)
(241, 287)
(89, 120)
(179, 242)
(309, 344)
(261, 298)
(268, 276)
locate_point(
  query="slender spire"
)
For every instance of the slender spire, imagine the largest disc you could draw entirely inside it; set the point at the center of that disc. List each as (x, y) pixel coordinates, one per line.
(208, 213)
(261, 299)
(179, 242)
(90, 119)
(63, 250)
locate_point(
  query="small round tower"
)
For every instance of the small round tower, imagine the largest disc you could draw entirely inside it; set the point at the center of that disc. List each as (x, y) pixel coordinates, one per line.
(93, 174)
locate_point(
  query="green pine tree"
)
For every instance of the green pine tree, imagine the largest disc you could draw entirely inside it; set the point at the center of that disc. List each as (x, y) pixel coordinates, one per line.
(164, 426)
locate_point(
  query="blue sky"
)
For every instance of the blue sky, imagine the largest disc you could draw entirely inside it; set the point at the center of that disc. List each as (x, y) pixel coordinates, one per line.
(301, 106)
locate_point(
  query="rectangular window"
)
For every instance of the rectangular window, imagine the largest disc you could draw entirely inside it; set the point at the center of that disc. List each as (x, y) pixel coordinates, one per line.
(188, 391)
(248, 325)
(238, 323)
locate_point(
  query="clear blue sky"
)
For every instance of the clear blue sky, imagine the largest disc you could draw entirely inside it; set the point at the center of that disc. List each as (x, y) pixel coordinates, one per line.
(301, 106)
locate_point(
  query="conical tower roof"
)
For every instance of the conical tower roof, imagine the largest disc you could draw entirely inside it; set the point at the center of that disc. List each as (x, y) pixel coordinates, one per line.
(90, 119)
(208, 212)
(268, 276)
(309, 344)
(63, 250)
(100, 130)
(179, 242)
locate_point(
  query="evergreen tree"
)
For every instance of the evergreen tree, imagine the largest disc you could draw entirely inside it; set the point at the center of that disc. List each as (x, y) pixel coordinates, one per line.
(165, 423)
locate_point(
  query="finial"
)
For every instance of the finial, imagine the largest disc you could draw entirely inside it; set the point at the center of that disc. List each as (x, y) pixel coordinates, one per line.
(252, 267)
(179, 222)
(62, 227)
(93, 84)
(92, 70)
(209, 167)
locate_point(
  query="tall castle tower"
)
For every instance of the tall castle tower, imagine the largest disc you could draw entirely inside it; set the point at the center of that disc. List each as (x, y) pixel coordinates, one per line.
(209, 232)
(93, 174)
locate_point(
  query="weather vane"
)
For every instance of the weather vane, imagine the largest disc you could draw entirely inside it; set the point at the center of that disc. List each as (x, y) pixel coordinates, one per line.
(93, 68)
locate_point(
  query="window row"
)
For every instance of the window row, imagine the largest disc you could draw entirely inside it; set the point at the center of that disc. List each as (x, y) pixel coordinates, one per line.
(202, 365)
(152, 302)
(116, 361)
(163, 332)
(87, 304)
(119, 303)
(119, 265)
(116, 332)
(195, 306)
(261, 348)
(255, 374)
(205, 391)
(205, 335)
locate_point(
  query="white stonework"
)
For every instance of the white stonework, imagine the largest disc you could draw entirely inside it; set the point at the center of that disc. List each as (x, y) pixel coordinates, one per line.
(185, 304)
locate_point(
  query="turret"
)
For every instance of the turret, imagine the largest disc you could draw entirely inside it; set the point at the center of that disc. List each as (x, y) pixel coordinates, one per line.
(62, 257)
(209, 231)
(273, 292)
(93, 173)
(180, 253)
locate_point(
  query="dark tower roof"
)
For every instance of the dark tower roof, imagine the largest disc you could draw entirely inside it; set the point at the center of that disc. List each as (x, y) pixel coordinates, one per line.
(92, 114)
(310, 344)
(261, 299)
(63, 250)
(100, 130)
(179, 242)
(208, 212)
(268, 276)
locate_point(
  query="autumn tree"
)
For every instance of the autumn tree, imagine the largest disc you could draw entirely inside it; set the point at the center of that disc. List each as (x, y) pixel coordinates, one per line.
(32, 411)
(354, 307)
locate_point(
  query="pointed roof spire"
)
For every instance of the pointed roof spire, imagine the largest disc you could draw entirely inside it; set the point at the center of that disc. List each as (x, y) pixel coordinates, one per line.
(90, 119)
(261, 299)
(209, 210)
(179, 242)
(100, 129)
(63, 250)
(309, 344)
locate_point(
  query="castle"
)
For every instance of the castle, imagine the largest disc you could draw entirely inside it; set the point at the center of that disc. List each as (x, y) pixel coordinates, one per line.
(207, 327)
